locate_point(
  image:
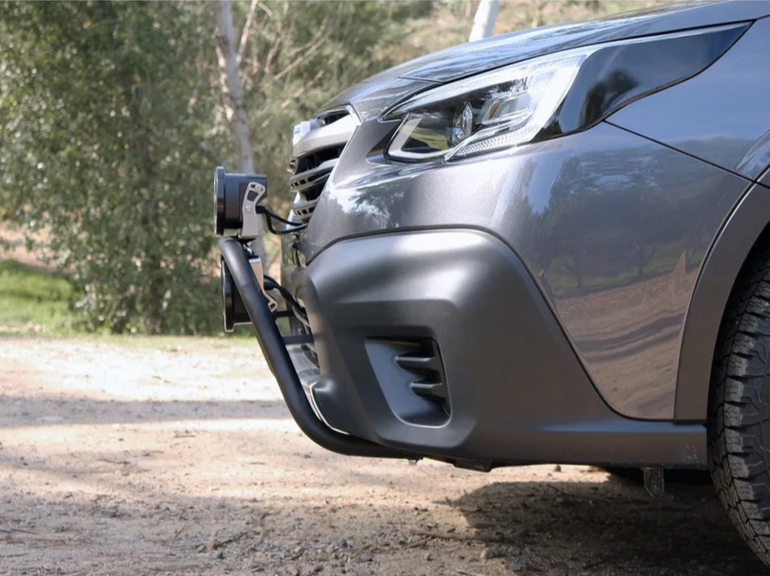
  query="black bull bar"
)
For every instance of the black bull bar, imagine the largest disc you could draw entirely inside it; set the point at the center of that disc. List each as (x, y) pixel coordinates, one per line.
(277, 356)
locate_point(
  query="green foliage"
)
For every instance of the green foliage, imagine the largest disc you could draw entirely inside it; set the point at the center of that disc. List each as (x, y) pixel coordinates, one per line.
(104, 105)
(33, 298)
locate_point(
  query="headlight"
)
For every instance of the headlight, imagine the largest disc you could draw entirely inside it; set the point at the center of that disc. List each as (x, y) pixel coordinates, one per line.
(495, 110)
(550, 95)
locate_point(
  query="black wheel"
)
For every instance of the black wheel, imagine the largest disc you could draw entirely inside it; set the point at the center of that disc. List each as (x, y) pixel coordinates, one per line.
(739, 407)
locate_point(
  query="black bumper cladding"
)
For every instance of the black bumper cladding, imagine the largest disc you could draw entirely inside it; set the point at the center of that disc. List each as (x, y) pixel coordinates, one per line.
(277, 357)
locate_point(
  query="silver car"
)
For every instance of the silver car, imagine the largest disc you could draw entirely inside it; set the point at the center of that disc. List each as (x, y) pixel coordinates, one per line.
(548, 246)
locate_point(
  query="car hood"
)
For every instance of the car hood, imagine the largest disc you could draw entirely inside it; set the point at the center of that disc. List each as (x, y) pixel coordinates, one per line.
(379, 91)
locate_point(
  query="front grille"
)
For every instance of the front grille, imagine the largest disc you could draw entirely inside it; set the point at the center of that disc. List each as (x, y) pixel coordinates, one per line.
(316, 146)
(311, 171)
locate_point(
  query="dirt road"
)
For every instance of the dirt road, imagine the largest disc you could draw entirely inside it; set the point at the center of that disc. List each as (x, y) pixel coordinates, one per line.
(179, 457)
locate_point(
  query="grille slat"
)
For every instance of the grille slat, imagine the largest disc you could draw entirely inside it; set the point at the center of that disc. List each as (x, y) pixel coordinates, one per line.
(316, 146)
(304, 185)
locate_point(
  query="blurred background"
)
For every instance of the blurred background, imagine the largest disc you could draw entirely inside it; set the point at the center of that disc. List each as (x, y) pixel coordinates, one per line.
(114, 114)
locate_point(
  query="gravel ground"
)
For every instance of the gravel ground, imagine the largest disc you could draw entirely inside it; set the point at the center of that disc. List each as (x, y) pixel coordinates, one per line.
(178, 457)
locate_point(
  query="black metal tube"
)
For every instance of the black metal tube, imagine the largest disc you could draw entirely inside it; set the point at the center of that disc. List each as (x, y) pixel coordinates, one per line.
(280, 364)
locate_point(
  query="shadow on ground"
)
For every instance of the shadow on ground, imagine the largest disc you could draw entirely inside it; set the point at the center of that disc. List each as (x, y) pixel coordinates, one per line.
(516, 529)
(610, 528)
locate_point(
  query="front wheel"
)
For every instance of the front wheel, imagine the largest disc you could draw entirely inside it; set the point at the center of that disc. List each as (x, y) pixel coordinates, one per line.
(739, 407)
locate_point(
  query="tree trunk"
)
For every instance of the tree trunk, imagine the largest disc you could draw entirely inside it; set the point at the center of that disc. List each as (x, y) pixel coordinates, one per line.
(227, 54)
(152, 303)
(484, 21)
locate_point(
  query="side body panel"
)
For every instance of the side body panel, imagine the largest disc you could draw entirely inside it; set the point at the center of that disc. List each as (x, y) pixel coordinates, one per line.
(722, 115)
(613, 227)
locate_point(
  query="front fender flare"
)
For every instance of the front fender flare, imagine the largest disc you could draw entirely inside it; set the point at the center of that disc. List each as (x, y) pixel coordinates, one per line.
(738, 236)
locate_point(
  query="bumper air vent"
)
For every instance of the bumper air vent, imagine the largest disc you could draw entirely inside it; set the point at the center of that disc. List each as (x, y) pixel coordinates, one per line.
(425, 364)
(411, 376)
(316, 146)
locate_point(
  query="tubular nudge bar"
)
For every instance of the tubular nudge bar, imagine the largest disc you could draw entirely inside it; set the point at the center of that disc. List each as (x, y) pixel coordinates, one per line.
(277, 357)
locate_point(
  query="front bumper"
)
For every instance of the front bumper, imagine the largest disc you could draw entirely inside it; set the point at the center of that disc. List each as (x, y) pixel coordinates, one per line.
(513, 390)
(516, 391)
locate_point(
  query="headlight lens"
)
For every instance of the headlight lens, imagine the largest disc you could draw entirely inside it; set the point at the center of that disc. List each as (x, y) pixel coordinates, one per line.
(495, 110)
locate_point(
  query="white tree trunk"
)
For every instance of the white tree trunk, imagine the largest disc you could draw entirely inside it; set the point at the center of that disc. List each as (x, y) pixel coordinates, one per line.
(484, 21)
(230, 79)
(227, 53)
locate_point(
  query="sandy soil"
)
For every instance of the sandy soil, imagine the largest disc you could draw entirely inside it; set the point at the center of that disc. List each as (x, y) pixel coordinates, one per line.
(179, 457)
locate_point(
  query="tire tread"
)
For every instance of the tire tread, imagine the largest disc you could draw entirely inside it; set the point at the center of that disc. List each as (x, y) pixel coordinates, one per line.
(737, 458)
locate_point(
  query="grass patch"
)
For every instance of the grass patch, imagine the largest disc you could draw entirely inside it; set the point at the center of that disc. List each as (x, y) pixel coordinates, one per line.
(33, 300)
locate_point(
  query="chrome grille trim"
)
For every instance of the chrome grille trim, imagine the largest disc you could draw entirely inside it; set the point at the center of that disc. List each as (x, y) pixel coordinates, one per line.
(316, 146)
(304, 180)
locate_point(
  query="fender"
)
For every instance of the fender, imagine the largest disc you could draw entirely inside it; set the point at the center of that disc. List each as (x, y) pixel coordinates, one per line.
(739, 235)
(765, 178)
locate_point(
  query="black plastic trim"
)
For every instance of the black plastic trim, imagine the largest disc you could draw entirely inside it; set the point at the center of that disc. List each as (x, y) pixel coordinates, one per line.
(765, 179)
(726, 258)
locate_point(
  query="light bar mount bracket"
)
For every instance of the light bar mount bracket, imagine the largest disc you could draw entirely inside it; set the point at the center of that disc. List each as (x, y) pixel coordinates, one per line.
(255, 194)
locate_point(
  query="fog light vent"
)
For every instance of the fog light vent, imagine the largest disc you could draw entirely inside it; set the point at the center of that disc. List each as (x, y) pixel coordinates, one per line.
(411, 376)
(426, 363)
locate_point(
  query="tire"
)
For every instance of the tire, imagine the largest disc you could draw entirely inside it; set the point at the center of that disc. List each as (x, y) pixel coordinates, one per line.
(739, 406)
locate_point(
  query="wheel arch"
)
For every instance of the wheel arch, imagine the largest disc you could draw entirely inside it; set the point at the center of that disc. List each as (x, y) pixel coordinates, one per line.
(746, 228)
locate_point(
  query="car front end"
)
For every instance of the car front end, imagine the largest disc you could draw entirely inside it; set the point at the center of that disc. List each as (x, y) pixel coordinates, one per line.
(459, 268)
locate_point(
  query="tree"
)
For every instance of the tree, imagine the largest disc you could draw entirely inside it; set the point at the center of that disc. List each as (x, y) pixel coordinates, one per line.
(102, 110)
(484, 21)
(111, 116)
